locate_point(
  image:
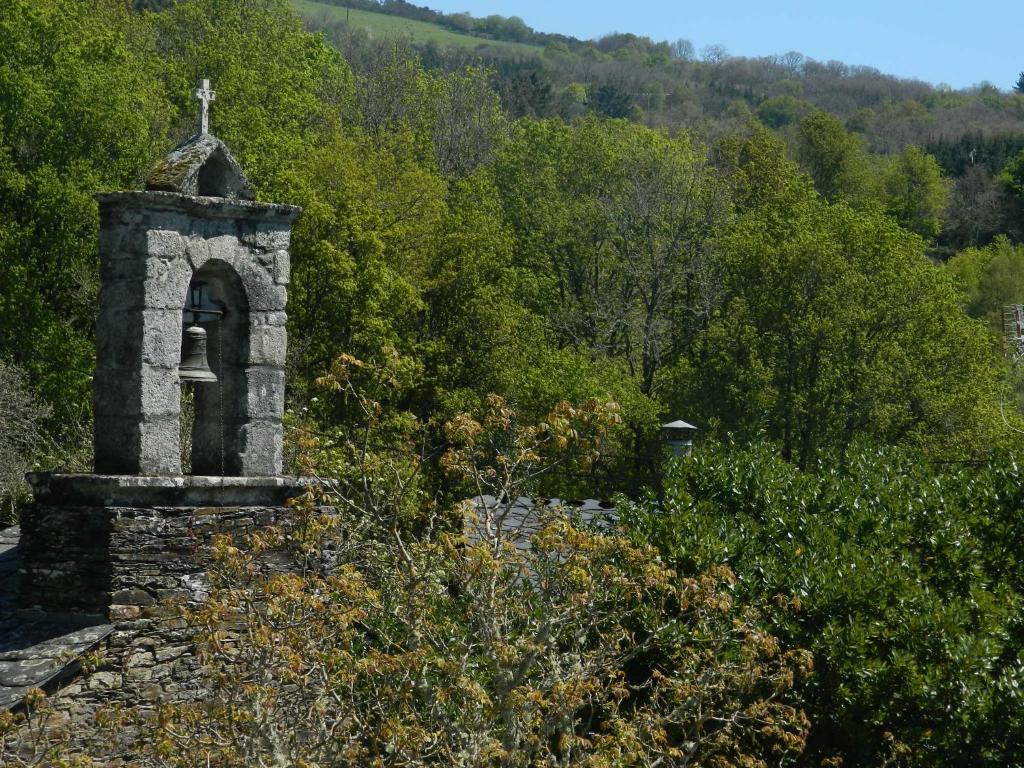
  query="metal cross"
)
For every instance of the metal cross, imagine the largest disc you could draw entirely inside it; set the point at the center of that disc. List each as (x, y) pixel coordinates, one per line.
(204, 95)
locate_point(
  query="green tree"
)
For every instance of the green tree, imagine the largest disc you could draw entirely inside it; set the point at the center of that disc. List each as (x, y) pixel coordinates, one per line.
(1010, 181)
(468, 122)
(619, 221)
(780, 111)
(990, 278)
(613, 100)
(81, 110)
(835, 159)
(834, 325)
(915, 191)
(1011, 177)
(24, 440)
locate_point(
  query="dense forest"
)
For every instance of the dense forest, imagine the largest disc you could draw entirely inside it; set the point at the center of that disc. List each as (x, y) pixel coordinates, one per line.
(809, 261)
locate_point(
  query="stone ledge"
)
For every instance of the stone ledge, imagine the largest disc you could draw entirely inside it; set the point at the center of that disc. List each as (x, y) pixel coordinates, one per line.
(204, 207)
(54, 489)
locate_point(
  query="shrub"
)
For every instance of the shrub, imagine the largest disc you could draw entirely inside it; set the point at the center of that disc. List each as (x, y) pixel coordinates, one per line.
(907, 582)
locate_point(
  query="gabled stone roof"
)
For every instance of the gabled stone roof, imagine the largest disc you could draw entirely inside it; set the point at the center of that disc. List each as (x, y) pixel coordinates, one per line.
(202, 166)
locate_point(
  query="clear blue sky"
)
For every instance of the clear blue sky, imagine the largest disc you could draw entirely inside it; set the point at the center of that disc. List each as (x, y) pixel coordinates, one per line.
(959, 42)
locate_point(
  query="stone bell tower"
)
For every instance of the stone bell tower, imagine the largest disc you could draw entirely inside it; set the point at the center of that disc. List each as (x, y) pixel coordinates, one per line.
(190, 259)
(193, 233)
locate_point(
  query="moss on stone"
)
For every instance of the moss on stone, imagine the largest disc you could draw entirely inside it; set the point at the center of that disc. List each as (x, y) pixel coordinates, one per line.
(180, 170)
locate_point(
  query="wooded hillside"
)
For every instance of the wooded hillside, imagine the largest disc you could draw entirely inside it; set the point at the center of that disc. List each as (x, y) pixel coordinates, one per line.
(973, 133)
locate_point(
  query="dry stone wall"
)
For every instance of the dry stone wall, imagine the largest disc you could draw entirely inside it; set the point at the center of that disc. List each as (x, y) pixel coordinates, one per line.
(140, 563)
(121, 545)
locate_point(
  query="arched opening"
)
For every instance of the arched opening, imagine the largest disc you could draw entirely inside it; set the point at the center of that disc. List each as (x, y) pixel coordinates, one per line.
(216, 177)
(218, 409)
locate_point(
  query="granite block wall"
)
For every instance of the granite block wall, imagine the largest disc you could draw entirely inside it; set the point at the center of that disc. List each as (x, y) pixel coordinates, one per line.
(153, 245)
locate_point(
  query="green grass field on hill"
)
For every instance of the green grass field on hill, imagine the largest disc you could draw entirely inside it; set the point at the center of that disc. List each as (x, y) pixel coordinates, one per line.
(384, 25)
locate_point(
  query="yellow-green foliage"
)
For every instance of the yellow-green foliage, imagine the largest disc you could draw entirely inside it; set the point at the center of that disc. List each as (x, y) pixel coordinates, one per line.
(990, 278)
(476, 646)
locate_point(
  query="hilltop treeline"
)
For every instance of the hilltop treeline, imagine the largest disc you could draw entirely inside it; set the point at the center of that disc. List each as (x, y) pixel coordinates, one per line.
(770, 283)
(973, 133)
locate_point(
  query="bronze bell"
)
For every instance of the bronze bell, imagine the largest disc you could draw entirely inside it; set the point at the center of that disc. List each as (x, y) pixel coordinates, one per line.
(193, 365)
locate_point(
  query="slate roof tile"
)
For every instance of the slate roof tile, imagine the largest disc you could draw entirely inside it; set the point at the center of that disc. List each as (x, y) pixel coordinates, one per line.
(37, 650)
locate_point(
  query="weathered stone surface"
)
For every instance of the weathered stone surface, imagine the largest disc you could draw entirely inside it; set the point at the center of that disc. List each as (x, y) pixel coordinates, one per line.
(116, 349)
(128, 208)
(267, 239)
(223, 247)
(45, 638)
(261, 447)
(123, 294)
(162, 342)
(197, 250)
(282, 267)
(164, 244)
(166, 283)
(268, 344)
(132, 597)
(116, 441)
(137, 497)
(171, 652)
(159, 443)
(264, 393)
(105, 681)
(15, 674)
(149, 654)
(121, 544)
(150, 390)
(269, 319)
(151, 692)
(263, 294)
(37, 650)
(123, 612)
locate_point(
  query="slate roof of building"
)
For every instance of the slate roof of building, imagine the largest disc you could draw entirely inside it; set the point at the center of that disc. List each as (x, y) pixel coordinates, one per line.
(37, 650)
(517, 520)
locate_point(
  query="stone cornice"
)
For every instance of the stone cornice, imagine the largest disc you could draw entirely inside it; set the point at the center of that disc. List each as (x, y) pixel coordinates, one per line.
(200, 207)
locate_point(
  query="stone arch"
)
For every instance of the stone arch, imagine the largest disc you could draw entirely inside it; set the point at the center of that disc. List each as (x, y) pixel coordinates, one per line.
(220, 408)
(249, 343)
